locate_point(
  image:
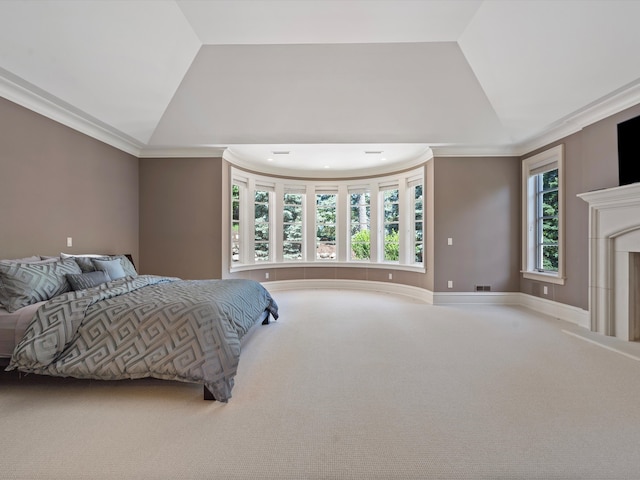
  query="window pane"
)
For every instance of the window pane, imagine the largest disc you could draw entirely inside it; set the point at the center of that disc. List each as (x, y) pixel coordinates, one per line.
(391, 228)
(261, 196)
(550, 258)
(550, 230)
(418, 209)
(360, 218)
(292, 214)
(391, 212)
(235, 210)
(325, 251)
(418, 231)
(261, 232)
(261, 252)
(391, 250)
(292, 226)
(550, 179)
(326, 215)
(235, 242)
(391, 195)
(360, 243)
(326, 233)
(292, 251)
(550, 203)
(418, 255)
(361, 214)
(261, 213)
(293, 199)
(292, 232)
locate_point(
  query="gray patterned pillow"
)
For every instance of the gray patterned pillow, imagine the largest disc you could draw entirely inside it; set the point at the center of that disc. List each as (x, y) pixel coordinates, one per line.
(23, 284)
(112, 267)
(86, 264)
(80, 281)
(84, 261)
(127, 266)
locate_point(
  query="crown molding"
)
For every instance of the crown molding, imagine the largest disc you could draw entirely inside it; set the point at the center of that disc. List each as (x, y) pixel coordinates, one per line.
(617, 101)
(474, 151)
(182, 152)
(31, 97)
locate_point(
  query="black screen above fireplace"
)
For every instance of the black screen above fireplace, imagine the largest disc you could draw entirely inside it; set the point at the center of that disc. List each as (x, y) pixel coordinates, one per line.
(629, 151)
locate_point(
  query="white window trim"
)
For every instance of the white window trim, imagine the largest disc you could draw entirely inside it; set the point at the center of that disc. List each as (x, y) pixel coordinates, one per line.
(309, 187)
(553, 156)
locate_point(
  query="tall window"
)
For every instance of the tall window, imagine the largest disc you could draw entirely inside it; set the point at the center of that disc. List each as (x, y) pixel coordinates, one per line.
(542, 216)
(418, 224)
(360, 226)
(235, 223)
(283, 220)
(292, 225)
(326, 207)
(261, 226)
(547, 221)
(391, 224)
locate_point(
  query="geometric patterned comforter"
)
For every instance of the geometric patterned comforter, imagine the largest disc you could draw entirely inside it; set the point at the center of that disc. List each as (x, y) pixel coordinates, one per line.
(146, 326)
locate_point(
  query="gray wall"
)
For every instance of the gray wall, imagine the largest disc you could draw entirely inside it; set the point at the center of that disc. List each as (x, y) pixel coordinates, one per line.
(57, 183)
(591, 163)
(180, 217)
(477, 204)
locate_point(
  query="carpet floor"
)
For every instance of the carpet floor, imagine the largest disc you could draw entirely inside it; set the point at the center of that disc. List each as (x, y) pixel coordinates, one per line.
(351, 385)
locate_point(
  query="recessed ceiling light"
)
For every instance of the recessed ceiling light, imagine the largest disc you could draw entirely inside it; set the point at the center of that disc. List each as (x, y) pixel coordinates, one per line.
(326, 166)
(269, 159)
(383, 159)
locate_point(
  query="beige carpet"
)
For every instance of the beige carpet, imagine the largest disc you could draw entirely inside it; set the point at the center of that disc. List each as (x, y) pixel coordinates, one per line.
(350, 385)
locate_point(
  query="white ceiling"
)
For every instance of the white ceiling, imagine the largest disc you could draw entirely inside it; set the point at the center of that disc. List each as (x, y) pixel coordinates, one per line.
(326, 80)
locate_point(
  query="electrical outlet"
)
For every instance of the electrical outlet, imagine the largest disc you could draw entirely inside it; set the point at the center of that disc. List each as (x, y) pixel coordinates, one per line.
(391, 276)
(449, 241)
(450, 284)
(545, 290)
(266, 275)
(69, 242)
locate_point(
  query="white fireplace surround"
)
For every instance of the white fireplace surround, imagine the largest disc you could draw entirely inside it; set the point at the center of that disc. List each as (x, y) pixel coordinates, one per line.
(614, 260)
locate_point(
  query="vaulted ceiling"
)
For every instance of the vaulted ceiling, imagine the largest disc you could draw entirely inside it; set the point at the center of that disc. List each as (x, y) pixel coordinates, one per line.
(325, 80)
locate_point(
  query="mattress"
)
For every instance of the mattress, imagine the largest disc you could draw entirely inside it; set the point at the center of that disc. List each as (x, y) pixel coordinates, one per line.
(13, 326)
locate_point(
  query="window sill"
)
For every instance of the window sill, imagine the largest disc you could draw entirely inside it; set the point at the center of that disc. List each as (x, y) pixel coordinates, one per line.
(544, 277)
(330, 264)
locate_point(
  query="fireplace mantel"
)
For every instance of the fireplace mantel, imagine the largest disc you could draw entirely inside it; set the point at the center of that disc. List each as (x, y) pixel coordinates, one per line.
(614, 261)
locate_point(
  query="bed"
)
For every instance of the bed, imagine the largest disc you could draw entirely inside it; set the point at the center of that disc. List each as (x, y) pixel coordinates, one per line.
(74, 317)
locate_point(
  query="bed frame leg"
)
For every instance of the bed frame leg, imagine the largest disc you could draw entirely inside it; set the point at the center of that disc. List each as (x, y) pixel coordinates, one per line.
(208, 395)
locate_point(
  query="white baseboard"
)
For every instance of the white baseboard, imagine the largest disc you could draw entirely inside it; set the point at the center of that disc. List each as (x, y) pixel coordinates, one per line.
(484, 298)
(558, 310)
(562, 311)
(386, 287)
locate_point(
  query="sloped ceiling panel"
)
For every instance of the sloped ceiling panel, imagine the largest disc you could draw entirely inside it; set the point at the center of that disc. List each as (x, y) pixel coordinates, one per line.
(539, 62)
(350, 93)
(246, 22)
(90, 55)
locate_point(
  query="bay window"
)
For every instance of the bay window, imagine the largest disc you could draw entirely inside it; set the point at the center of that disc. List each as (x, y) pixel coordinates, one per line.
(373, 221)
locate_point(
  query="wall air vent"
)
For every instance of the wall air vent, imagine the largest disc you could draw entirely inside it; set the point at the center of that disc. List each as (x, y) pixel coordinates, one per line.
(373, 152)
(281, 152)
(483, 288)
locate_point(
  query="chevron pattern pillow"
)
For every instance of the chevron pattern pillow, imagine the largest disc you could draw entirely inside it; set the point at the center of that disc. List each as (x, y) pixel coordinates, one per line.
(23, 284)
(80, 281)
